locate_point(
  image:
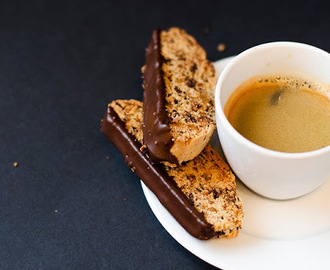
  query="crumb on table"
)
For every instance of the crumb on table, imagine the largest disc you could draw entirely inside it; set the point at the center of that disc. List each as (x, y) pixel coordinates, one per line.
(221, 47)
(207, 30)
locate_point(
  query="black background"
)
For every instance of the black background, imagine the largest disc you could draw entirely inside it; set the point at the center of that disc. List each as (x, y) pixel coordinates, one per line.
(66, 206)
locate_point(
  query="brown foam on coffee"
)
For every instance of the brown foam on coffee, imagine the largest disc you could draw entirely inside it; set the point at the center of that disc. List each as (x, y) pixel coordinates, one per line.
(295, 82)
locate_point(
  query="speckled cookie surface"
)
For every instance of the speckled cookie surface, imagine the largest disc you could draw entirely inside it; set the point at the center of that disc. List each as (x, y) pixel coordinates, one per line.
(190, 83)
(206, 180)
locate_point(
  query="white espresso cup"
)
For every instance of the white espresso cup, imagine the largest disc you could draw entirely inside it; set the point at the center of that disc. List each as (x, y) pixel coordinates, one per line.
(270, 173)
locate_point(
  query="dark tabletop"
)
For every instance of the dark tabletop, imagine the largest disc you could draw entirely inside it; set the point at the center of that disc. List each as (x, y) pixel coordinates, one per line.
(71, 202)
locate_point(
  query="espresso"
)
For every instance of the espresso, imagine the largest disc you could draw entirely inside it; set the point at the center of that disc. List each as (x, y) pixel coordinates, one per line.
(282, 113)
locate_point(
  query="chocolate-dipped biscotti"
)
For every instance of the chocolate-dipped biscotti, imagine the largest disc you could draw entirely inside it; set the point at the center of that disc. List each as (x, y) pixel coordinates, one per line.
(200, 194)
(178, 96)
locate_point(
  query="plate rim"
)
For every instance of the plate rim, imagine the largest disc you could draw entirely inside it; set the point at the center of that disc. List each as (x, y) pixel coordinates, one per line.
(194, 245)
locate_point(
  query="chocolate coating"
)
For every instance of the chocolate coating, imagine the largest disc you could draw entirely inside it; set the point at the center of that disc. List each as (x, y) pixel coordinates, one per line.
(155, 177)
(156, 130)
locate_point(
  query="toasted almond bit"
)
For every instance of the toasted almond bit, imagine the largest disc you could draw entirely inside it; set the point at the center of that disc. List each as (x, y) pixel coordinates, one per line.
(221, 47)
(15, 164)
(143, 147)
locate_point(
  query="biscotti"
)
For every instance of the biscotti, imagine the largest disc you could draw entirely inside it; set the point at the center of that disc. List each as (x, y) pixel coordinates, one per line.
(200, 194)
(179, 85)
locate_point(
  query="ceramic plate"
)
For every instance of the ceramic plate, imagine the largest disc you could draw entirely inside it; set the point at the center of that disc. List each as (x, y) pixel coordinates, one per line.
(292, 234)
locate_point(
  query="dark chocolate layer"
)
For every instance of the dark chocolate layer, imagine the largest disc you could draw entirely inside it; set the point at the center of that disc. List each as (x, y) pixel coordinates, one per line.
(156, 129)
(155, 177)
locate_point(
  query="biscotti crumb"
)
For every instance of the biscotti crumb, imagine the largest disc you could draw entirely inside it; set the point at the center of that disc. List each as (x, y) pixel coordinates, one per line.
(207, 30)
(221, 47)
(15, 164)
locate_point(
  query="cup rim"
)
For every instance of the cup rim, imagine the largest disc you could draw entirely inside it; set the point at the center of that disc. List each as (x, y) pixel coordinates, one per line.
(233, 132)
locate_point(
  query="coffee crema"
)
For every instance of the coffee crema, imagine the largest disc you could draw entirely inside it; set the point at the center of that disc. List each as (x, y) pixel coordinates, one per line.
(282, 113)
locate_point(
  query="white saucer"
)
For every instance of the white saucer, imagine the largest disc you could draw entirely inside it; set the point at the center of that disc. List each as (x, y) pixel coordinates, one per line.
(293, 234)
